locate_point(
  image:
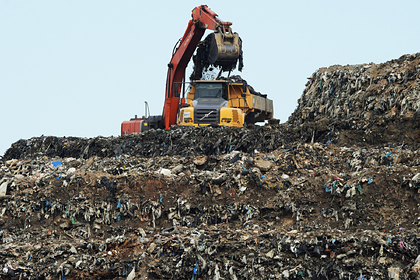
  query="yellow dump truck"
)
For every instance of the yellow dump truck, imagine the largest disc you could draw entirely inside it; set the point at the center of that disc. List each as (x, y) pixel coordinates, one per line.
(223, 103)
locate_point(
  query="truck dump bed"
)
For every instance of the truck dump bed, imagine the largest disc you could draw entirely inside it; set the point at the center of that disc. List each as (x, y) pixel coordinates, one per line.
(263, 106)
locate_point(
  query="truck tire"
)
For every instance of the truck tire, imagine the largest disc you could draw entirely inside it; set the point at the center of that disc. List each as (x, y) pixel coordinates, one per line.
(250, 118)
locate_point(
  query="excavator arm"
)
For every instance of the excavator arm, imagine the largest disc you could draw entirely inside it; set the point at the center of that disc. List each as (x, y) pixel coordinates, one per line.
(202, 18)
(224, 51)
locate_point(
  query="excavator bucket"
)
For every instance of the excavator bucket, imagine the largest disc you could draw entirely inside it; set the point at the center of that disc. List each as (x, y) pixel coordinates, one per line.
(225, 48)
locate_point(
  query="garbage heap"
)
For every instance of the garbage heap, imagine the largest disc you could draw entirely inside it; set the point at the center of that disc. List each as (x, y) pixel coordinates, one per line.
(366, 104)
(183, 141)
(300, 211)
(310, 199)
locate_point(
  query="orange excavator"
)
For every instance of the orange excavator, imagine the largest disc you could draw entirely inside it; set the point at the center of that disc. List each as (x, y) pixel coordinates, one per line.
(224, 51)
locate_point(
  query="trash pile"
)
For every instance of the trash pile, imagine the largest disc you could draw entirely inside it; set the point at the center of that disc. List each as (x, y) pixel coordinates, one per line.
(377, 100)
(306, 210)
(184, 141)
(260, 202)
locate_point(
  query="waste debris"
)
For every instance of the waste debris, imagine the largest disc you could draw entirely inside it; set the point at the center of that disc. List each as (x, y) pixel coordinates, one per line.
(182, 140)
(366, 104)
(278, 201)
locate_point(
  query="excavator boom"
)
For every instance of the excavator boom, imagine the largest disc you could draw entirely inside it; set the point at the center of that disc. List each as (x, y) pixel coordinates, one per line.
(202, 18)
(225, 51)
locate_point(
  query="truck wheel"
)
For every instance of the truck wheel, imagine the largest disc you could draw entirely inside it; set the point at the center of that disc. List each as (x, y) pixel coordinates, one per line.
(250, 118)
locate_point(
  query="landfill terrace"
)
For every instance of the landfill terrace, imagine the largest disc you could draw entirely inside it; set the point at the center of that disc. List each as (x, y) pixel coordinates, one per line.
(333, 193)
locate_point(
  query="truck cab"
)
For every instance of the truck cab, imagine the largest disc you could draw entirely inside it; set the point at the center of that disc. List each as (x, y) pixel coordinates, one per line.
(222, 103)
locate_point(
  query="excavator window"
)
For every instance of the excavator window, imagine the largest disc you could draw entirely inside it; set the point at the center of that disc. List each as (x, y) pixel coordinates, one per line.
(210, 90)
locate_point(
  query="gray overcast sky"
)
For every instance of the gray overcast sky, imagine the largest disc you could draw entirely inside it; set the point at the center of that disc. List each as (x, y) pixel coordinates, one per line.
(80, 68)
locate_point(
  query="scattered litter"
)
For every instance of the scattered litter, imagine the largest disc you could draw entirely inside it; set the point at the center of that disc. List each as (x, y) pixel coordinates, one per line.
(332, 189)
